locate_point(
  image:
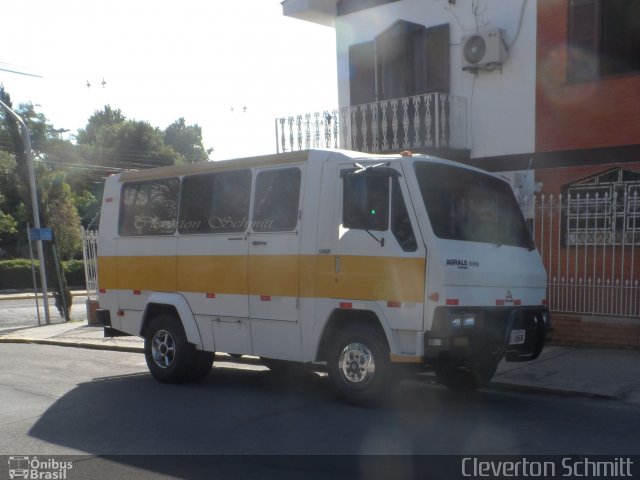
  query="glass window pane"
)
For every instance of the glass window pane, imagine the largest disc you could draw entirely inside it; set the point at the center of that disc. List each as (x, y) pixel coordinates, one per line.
(467, 205)
(400, 222)
(366, 200)
(277, 196)
(215, 203)
(149, 208)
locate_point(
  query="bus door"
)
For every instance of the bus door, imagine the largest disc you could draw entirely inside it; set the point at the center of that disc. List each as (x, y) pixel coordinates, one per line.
(376, 246)
(212, 255)
(274, 245)
(146, 245)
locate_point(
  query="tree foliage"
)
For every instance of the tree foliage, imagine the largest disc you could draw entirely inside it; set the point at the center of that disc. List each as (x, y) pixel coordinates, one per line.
(70, 174)
(186, 141)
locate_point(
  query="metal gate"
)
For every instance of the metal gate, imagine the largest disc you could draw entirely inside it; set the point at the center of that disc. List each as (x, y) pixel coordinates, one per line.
(90, 257)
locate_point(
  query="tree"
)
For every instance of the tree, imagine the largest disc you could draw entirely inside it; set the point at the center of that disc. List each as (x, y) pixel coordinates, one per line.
(186, 141)
(57, 213)
(101, 122)
(10, 203)
(60, 212)
(112, 141)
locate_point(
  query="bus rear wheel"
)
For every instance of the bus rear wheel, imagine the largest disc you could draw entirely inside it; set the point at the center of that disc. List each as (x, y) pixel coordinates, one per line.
(358, 365)
(169, 356)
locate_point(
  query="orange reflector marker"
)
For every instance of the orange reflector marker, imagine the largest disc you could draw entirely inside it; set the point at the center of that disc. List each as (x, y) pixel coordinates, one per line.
(346, 305)
(434, 297)
(120, 313)
(391, 304)
(452, 301)
(499, 302)
(137, 292)
(265, 298)
(102, 290)
(517, 302)
(108, 200)
(211, 295)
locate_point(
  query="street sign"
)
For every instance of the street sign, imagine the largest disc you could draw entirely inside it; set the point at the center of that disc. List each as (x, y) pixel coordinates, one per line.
(43, 234)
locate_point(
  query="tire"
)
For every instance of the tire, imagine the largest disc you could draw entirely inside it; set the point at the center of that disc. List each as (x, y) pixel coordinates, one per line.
(201, 366)
(170, 357)
(465, 378)
(358, 365)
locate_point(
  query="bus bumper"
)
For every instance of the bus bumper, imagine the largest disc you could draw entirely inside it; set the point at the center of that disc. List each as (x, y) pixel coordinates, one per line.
(481, 335)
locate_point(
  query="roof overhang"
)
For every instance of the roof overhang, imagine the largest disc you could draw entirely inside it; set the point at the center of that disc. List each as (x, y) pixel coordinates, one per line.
(323, 12)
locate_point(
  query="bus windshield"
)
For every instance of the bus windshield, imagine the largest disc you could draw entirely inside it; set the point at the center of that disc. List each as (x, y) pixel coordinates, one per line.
(471, 206)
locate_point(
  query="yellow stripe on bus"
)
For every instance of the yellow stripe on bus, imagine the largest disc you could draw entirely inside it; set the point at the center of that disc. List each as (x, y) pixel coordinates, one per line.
(360, 277)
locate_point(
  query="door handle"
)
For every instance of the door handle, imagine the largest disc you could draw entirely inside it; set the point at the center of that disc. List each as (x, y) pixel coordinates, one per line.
(258, 242)
(236, 238)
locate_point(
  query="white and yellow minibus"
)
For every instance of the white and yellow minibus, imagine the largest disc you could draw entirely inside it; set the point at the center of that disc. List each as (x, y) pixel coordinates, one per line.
(369, 265)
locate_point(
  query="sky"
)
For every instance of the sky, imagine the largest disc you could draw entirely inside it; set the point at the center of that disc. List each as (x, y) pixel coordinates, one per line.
(204, 60)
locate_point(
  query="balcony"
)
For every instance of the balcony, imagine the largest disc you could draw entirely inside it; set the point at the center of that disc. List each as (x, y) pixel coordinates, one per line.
(429, 123)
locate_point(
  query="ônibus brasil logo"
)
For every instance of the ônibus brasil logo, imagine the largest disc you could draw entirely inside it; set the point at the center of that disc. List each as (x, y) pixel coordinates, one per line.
(36, 469)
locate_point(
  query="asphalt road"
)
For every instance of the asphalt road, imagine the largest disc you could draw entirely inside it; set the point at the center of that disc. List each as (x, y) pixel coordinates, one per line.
(58, 400)
(22, 313)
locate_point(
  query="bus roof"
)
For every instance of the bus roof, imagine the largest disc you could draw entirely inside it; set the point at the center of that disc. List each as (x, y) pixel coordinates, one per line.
(272, 160)
(193, 168)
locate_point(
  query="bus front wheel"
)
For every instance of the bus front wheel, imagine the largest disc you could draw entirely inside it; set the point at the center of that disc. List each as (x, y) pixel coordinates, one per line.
(465, 378)
(169, 356)
(358, 364)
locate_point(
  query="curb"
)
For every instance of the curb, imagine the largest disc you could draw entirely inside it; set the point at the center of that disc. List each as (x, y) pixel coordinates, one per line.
(32, 296)
(61, 343)
(501, 385)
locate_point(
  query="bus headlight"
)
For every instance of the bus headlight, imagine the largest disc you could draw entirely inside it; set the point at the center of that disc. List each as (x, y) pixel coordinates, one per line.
(469, 320)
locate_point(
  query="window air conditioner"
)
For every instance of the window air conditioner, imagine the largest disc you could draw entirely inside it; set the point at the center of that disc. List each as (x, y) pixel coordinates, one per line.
(484, 50)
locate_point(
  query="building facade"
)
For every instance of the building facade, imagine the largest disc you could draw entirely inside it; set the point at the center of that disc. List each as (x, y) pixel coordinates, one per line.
(546, 92)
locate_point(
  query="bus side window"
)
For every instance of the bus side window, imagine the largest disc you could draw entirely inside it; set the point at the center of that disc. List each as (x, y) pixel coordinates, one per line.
(149, 208)
(366, 201)
(215, 203)
(400, 222)
(275, 207)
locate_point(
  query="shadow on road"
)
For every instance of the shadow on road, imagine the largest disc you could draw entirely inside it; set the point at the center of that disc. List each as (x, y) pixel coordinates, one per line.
(239, 411)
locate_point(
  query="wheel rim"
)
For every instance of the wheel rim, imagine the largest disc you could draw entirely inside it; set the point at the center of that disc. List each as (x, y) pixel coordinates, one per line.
(163, 349)
(356, 364)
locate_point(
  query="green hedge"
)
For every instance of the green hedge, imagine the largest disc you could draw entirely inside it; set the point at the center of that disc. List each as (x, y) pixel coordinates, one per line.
(16, 274)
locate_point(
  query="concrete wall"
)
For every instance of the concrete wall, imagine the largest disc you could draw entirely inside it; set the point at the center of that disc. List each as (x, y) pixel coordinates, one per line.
(500, 105)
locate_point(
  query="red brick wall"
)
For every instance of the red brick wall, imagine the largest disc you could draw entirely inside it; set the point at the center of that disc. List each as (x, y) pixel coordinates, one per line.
(599, 113)
(553, 179)
(577, 330)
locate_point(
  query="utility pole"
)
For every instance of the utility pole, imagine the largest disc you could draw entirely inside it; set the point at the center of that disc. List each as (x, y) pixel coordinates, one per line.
(34, 206)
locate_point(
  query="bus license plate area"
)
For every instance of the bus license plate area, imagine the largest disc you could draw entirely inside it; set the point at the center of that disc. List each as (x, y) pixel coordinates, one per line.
(517, 337)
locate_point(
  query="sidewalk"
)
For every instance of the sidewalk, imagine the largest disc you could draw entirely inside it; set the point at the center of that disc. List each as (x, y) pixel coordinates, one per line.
(22, 295)
(590, 372)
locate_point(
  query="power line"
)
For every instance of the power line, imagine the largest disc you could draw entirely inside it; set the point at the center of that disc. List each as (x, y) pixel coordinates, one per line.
(18, 72)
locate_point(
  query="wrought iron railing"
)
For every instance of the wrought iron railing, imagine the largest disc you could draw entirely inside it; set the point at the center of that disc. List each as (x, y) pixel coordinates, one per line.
(430, 120)
(590, 246)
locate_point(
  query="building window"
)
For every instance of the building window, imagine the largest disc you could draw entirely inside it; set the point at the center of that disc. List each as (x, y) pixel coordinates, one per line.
(404, 60)
(604, 38)
(604, 209)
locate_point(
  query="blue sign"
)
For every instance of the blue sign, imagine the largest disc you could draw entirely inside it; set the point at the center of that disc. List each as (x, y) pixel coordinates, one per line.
(44, 234)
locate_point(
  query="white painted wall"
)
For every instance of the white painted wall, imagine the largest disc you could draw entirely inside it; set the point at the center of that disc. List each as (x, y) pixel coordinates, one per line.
(501, 105)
